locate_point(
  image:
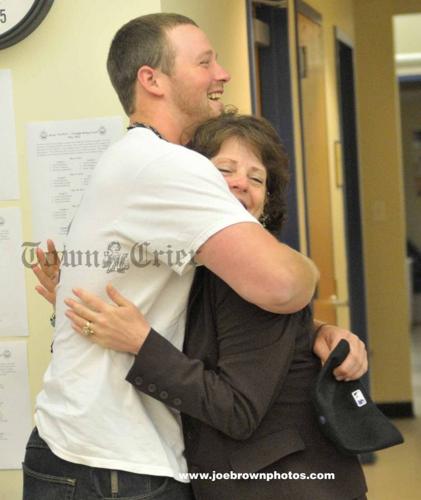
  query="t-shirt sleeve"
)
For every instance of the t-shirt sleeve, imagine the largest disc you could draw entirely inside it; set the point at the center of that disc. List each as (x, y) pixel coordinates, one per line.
(176, 203)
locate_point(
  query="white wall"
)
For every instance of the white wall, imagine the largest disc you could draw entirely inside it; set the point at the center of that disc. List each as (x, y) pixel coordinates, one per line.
(407, 33)
(407, 38)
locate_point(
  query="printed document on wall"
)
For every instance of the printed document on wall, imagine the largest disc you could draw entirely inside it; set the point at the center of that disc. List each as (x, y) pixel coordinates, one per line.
(61, 158)
(13, 312)
(15, 408)
(9, 188)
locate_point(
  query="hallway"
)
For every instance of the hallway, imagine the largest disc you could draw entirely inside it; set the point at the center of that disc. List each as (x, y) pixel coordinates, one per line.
(395, 475)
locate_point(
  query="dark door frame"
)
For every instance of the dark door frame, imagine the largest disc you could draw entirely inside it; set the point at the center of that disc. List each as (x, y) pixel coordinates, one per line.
(276, 105)
(345, 77)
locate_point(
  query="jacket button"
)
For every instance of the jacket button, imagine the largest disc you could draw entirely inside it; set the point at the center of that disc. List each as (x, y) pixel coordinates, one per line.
(138, 380)
(151, 387)
(177, 401)
(163, 394)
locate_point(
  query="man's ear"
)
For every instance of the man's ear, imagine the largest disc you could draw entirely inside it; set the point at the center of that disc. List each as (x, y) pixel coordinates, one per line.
(149, 79)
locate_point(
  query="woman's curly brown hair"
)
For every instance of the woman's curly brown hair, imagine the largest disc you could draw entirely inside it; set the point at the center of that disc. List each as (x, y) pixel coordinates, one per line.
(262, 138)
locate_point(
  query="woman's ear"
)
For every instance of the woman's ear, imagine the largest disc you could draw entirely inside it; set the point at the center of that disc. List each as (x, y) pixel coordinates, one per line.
(150, 80)
(264, 218)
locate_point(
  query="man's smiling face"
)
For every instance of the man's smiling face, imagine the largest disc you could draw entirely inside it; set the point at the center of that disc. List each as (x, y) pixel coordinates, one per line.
(197, 80)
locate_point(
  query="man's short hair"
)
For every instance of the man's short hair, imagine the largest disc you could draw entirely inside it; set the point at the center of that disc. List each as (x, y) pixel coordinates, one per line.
(142, 41)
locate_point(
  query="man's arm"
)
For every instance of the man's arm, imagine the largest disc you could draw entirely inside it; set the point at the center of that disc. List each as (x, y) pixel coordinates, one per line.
(120, 326)
(259, 268)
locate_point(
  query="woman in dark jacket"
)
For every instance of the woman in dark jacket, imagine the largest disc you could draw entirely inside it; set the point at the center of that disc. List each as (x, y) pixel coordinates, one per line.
(244, 379)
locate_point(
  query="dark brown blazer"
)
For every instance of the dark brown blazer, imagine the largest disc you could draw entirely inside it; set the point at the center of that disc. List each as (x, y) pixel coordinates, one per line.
(243, 387)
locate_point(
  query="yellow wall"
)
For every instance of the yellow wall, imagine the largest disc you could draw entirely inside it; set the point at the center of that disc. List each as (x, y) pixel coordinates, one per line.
(383, 204)
(59, 73)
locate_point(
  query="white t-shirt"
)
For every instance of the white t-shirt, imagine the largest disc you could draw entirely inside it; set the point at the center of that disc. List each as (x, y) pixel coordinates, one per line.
(149, 206)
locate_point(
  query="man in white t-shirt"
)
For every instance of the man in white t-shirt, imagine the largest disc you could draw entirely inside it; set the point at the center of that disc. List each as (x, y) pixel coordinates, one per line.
(159, 204)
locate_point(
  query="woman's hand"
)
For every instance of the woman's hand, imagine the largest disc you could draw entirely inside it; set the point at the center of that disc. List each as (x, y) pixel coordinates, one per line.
(120, 327)
(355, 364)
(47, 272)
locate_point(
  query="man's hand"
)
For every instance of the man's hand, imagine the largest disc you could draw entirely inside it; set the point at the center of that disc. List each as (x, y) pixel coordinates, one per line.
(47, 272)
(355, 364)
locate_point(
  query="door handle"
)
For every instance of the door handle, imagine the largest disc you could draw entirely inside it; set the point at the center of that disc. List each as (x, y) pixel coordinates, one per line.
(338, 302)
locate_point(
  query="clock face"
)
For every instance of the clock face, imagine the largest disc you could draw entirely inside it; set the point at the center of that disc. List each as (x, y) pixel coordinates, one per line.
(18, 18)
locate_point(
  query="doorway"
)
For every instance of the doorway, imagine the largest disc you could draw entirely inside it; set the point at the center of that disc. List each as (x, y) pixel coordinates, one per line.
(288, 85)
(407, 30)
(351, 184)
(270, 76)
(316, 161)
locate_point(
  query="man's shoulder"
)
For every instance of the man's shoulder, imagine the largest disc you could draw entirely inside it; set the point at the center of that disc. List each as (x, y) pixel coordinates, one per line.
(143, 145)
(180, 155)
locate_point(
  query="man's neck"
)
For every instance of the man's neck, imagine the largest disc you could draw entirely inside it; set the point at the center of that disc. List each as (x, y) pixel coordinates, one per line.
(167, 127)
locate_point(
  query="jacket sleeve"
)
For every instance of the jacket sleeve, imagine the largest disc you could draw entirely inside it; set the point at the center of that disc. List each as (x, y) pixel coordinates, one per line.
(255, 352)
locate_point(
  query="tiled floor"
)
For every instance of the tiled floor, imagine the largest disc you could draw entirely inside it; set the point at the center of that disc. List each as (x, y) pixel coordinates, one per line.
(396, 475)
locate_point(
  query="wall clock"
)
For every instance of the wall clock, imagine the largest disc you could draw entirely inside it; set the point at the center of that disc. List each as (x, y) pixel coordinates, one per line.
(19, 18)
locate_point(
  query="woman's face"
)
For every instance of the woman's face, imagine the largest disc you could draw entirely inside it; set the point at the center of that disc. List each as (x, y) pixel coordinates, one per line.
(244, 172)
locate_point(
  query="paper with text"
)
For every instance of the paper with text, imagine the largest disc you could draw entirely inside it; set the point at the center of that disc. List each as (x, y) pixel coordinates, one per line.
(15, 407)
(61, 158)
(13, 310)
(9, 187)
